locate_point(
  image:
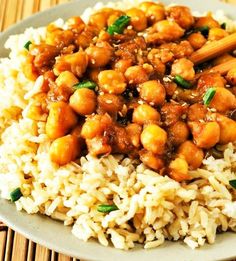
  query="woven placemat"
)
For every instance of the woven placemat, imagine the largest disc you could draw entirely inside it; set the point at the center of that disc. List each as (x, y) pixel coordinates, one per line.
(13, 246)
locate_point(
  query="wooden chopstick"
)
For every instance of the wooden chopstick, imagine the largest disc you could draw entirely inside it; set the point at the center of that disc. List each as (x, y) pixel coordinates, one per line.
(214, 49)
(222, 68)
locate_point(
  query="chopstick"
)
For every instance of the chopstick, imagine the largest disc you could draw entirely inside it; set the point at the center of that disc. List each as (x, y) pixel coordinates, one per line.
(222, 68)
(214, 49)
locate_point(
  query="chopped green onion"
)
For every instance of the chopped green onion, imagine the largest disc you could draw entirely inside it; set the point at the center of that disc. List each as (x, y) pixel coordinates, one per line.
(209, 95)
(26, 46)
(182, 82)
(223, 26)
(85, 84)
(203, 30)
(15, 194)
(119, 25)
(233, 183)
(107, 208)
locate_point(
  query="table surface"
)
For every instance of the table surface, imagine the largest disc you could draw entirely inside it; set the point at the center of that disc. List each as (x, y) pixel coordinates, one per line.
(13, 246)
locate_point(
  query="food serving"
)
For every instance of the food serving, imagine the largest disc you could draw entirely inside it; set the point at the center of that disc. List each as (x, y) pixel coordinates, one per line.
(122, 124)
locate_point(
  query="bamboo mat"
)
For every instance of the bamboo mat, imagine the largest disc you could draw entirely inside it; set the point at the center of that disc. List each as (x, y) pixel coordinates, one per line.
(13, 246)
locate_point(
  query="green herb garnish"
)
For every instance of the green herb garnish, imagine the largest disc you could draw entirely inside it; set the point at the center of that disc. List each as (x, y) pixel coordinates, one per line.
(85, 84)
(119, 25)
(15, 194)
(26, 46)
(223, 26)
(233, 183)
(209, 95)
(107, 208)
(204, 30)
(182, 82)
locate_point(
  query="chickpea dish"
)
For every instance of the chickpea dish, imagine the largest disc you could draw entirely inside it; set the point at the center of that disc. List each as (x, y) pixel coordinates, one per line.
(127, 82)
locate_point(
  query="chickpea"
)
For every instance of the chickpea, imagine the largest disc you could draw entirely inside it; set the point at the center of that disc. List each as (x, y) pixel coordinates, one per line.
(110, 103)
(209, 80)
(227, 129)
(83, 101)
(104, 36)
(114, 15)
(192, 154)
(64, 150)
(76, 24)
(163, 54)
(151, 160)
(59, 38)
(67, 80)
(122, 65)
(138, 19)
(35, 112)
(98, 56)
(178, 133)
(154, 12)
(181, 15)
(76, 63)
(207, 21)
(60, 120)
(136, 75)
(159, 66)
(181, 50)
(112, 18)
(28, 68)
(197, 40)
(169, 30)
(223, 100)
(196, 112)
(134, 131)
(206, 135)
(178, 170)
(153, 92)
(145, 5)
(111, 81)
(98, 146)
(145, 114)
(184, 68)
(99, 20)
(231, 76)
(153, 138)
(85, 38)
(216, 34)
(95, 126)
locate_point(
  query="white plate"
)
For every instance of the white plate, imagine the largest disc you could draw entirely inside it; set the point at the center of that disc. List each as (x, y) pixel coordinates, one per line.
(53, 234)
